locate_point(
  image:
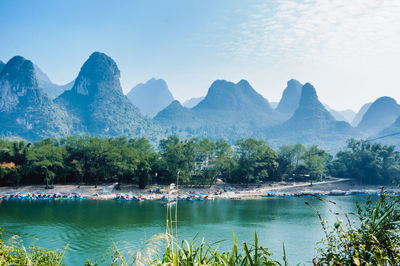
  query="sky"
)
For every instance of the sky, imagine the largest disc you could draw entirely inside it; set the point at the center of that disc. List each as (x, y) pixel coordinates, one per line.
(349, 50)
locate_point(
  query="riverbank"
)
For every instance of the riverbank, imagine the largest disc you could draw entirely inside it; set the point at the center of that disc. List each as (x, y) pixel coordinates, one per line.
(330, 186)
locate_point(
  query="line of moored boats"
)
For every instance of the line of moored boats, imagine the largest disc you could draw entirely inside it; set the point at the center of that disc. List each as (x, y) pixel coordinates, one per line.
(165, 198)
(172, 199)
(320, 194)
(41, 196)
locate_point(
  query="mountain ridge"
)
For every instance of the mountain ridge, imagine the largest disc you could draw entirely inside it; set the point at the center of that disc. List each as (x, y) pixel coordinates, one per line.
(95, 105)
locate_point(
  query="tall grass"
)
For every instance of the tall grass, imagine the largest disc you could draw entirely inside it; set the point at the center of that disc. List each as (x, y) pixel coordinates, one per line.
(373, 238)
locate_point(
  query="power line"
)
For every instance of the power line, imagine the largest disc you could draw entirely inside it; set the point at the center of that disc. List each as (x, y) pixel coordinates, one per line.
(381, 137)
(390, 135)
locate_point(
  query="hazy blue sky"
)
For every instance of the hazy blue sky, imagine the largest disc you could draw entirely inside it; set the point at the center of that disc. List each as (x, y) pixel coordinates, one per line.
(350, 50)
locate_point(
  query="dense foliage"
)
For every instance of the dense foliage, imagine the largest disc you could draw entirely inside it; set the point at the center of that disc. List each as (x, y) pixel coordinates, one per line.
(368, 163)
(92, 160)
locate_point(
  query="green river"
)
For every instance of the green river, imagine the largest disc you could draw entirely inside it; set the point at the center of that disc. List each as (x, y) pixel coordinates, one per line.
(91, 227)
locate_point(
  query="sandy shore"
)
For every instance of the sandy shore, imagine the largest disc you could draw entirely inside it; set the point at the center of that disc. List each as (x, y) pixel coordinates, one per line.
(103, 192)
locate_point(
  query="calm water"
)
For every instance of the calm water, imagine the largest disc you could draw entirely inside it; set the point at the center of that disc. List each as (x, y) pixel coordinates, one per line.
(91, 227)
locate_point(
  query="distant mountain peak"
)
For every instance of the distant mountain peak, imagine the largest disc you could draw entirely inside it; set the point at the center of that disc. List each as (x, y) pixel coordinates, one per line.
(51, 89)
(226, 95)
(385, 100)
(308, 95)
(290, 97)
(243, 82)
(192, 102)
(158, 82)
(175, 104)
(360, 114)
(381, 114)
(175, 110)
(310, 109)
(98, 72)
(151, 97)
(343, 115)
(153, 79)
(220, 84)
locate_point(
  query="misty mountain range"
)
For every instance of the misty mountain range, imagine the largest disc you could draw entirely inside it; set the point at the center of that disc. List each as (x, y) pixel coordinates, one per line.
(32, 107)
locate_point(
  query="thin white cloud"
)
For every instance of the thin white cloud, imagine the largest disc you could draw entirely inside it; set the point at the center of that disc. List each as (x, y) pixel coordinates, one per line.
(328, 28)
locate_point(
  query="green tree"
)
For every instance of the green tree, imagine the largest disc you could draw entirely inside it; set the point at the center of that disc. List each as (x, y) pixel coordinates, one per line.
(315, 162)
(176, 156)
(291, 161)
(146, 161)
(255, 161)
(366, 162)
(45, 159)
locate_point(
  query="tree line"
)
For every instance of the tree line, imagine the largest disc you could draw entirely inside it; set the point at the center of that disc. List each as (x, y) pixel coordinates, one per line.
(93, 160)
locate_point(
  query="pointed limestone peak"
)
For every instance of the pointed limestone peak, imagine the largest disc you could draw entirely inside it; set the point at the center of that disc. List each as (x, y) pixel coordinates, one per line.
(245, 87)
(294, 83)
(17, 80)
(290, 97)
(308, 96)
(360, 114)
(192, 102)
(175, 110)
(175, 104)
(219, 85)
(97, 73)
(19, 70)
(220, 95)
(243, 83)
(159, 82)
(310, 108)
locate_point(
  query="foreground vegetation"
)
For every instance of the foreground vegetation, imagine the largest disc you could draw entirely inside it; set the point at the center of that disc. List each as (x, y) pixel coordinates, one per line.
(93, 160)
(370, 237)
(14, 253)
